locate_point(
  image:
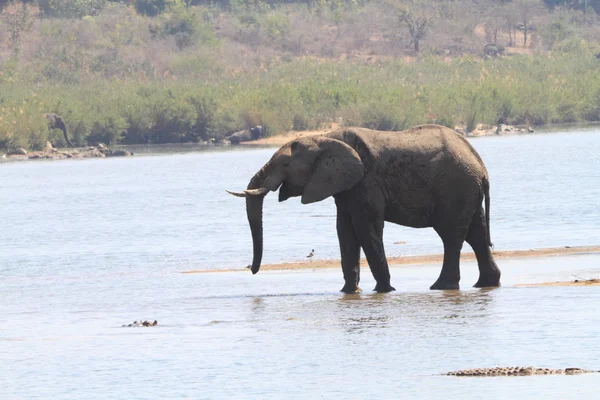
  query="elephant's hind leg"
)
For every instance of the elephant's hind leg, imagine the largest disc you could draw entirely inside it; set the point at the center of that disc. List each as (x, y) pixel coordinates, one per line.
(489, 273)
(450, 276)
(452, 231)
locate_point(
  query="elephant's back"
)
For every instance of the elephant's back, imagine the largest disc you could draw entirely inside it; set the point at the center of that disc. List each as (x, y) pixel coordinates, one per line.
(427, 144)
(428, 138)
(452, 147)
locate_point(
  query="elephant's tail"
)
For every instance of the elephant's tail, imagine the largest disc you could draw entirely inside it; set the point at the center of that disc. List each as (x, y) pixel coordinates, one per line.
(486, 191)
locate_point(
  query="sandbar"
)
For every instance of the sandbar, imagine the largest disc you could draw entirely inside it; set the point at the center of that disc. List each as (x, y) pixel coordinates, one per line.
(422, 259)
(576, 282)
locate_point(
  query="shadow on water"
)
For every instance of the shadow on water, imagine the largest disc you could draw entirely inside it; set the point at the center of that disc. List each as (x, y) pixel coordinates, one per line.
(357, 313)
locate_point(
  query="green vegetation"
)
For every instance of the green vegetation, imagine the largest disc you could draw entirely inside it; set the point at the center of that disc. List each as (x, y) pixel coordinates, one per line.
(163, 71)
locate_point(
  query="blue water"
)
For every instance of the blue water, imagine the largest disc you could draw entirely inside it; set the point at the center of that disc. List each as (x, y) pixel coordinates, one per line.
(89, 245)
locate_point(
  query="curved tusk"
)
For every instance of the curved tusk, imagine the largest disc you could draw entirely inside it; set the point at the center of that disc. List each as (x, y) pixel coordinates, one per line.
(238, 194)
(257, 192)
(250, 192)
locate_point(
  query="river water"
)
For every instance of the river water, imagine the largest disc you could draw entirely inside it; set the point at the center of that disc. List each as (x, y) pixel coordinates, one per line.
(89, 245)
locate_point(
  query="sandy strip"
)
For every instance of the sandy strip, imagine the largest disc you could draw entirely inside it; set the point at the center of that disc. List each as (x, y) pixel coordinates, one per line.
(280, 140)
(421, 259)
(576, 282)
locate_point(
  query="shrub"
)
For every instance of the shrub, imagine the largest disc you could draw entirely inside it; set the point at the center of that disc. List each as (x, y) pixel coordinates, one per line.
(184, 25)
(22, 124)
(277, 25)
(172, 118)
(71, 8)
(152, 8)
(108, 130)
(203, 126)
(301, 95)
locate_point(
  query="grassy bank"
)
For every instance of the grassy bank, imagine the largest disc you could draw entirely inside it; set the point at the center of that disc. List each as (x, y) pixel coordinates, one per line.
(393, 95)
(164, 71)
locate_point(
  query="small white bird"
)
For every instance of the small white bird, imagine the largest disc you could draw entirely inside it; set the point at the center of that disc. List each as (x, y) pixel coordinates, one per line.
(312, 253)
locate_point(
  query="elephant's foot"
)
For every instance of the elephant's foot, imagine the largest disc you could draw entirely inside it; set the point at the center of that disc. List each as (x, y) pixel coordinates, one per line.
(487, 281)
(445, 285)
(384, 288)
(351, 288)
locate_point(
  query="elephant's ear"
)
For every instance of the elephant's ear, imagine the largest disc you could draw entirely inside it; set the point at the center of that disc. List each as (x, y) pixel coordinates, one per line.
(337, 168)
(285, 192)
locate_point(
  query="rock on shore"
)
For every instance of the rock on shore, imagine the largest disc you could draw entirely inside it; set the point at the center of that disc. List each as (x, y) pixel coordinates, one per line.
(489, 130)
(58, 154)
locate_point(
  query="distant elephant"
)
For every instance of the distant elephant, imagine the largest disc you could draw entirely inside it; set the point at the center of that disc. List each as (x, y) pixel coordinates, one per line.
(493, 50)
(246, 135)
(426, 176)
(56, 122)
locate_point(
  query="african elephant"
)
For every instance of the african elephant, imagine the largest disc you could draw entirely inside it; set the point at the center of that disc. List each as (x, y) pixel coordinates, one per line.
(246, 135)
(493, 50)
(426, 176)
(56, 122)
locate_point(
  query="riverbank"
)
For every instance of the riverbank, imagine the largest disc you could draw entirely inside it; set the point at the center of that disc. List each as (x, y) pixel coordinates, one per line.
(279, 140)
(51, 153)
(102, 151)
(480, 130)
(418, 259)
(306, 95)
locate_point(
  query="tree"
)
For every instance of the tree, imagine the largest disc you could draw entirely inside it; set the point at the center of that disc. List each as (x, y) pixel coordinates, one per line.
(417, 23)
(511, 18)
(493, 21)
(574, 4)
(19, 17)
(526, 10)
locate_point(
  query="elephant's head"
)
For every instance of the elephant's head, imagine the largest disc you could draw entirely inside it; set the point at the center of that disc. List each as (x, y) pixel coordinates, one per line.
(314, 168)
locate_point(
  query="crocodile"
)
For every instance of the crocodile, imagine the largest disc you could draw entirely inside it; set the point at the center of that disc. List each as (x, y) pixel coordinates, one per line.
(518, 371)
(142, 323)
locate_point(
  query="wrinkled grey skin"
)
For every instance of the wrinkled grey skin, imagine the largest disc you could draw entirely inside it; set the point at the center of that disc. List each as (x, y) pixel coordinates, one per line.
(427, 176)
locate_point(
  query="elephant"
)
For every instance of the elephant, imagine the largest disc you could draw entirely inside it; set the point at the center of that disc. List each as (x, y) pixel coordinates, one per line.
(56, 122)
(246, 135)
(425, 176)
(493, 50)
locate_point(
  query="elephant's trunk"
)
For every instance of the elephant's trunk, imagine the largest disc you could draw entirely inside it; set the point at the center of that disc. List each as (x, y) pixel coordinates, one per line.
(254, 207)
(264, 181)
(64, 129)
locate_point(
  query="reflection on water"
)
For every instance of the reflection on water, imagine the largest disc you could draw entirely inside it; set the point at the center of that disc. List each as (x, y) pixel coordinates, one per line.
(90, 245)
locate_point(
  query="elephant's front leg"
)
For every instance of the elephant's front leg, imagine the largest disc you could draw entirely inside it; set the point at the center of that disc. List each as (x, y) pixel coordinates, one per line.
(350, 252)
(368, 228)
